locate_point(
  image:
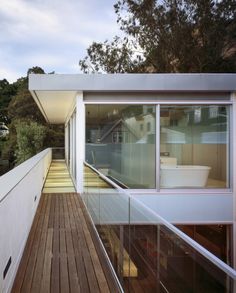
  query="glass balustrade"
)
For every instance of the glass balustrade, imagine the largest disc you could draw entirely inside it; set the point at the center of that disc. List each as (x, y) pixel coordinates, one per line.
(148, 253)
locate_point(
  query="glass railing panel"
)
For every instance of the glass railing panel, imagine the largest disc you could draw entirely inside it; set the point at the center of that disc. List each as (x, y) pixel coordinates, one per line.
(167, 261)
(147, 253)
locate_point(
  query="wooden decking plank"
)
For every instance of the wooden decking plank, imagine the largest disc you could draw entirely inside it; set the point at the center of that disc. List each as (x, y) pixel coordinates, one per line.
(96, 263)
(27, 255)
(73, 274)
(93, 283)
(28, 279)
(37, 278)
(64, 277)
(56, 223)
(46, 278)
(66, 213)
(51, 213)
(82, 277)
(55, 274)
(61, 213)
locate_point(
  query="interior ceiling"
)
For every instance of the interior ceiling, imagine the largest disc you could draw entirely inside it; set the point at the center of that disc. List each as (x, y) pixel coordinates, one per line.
(56, 105)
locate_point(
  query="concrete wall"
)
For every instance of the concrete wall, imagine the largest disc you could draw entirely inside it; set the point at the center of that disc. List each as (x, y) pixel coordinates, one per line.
(19, 197)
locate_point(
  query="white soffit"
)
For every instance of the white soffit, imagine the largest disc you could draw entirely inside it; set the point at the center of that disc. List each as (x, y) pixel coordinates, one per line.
(55, 105)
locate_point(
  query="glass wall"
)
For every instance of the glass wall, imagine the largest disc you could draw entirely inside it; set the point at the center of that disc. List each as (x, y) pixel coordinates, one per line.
(120, 143)
(194, 146)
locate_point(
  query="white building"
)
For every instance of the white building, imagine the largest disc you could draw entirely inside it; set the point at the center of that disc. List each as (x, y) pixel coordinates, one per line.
(166, 140)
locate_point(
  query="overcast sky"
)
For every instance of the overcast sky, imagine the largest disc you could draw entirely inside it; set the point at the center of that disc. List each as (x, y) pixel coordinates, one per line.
(52, 34)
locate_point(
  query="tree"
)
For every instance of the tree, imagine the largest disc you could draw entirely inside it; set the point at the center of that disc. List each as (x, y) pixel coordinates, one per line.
(23, 113)
(7, 90)
(30, 137)
(22, 105)
(169, 36)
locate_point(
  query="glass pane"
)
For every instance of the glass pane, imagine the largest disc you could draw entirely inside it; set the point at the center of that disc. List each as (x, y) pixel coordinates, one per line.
(120, 143)
(147, 253)
(194, 146)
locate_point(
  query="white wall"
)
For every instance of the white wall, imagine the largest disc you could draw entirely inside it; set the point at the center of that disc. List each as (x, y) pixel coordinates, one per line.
(20, 192)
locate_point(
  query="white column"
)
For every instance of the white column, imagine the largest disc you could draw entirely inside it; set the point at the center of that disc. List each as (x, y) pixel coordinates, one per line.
(80, 141)
(233, 159)
(66, 144)
(71, 145)
(74, 144)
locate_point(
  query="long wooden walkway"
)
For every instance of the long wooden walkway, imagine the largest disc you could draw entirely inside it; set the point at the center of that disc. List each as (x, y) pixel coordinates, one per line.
(62, 253)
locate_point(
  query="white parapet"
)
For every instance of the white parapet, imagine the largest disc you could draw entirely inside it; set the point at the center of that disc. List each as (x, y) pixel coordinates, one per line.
(20, 191)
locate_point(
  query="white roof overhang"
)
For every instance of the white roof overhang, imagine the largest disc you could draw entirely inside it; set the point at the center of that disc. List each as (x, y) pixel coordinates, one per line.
(55, 94)
(55, 105)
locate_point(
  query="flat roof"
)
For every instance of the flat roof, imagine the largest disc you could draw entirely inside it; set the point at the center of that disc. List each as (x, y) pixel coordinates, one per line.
(225, 82)
(55, 93)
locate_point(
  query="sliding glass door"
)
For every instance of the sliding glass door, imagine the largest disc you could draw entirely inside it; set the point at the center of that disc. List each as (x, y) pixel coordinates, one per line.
(194, 146)
(120, 143)
(190, 150)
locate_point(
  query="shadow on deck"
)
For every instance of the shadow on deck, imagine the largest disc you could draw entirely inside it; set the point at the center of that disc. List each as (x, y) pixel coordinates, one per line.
(62, 253)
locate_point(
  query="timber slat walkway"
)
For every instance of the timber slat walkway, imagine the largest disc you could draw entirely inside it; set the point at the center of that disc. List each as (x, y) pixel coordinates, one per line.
(62, 253)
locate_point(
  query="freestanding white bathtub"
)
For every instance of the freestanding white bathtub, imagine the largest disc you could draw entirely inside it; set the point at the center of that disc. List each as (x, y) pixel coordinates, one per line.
(183, 176)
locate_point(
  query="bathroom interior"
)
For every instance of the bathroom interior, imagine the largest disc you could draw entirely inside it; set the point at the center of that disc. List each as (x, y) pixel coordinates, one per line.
(193, 144)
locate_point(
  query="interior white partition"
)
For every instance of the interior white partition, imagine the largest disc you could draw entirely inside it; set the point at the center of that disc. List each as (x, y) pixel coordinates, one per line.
(20, 192)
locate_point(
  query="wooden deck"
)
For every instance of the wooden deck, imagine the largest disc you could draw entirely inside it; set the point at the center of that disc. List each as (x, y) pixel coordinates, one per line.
(58, 178)
(62, 253)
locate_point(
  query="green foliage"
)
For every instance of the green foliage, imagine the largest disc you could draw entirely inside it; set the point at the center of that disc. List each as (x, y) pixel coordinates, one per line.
(22, 105)
(169, 36)
(113, 57)
(54, 136)
(28, 131)
(7, 90)
(30, 137)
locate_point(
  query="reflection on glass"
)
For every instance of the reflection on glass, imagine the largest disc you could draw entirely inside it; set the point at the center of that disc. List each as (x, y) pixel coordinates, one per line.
(194, 145)
(120, 143)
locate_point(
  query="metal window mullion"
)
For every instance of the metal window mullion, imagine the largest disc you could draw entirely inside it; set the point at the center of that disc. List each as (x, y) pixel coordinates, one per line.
(158, 148)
